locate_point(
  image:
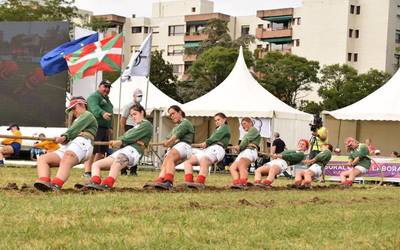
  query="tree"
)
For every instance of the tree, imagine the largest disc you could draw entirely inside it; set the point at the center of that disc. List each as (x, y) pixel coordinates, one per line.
(210, 69)
(286, 75)
(162, 75)
(46, 10)
(341, 85)
(99, 24)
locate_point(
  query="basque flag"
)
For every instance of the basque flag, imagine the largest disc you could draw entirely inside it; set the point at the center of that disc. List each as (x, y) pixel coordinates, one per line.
(53, 62)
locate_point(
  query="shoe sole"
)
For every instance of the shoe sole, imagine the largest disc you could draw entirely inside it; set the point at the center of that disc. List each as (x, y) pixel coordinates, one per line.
(42, 187)
(193, 186)
(149, 185)
(162, 187)
(238, 188)
(79, 186)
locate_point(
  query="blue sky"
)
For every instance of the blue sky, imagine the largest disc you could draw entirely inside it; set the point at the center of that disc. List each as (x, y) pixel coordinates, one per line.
(143, 7)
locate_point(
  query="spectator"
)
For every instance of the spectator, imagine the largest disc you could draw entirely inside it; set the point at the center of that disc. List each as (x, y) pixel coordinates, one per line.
(377, 152)
(43, 147)
(101, 107)
(319, 137)
(278, 145)
(126, 119)
(394, 154)
(337, 151)
(371, 148)
(11, 146)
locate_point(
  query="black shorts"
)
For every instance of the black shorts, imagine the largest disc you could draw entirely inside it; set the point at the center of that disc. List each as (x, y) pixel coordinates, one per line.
(102, 135)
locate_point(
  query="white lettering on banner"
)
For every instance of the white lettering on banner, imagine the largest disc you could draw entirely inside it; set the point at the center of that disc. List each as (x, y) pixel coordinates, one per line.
(391, 168)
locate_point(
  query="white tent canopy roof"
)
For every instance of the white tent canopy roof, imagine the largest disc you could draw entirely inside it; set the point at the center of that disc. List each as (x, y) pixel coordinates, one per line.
(381, 105)
(156, 98)
(240, 95)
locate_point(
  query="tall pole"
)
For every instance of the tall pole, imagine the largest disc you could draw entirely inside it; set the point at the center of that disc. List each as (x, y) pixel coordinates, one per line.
(120, 86)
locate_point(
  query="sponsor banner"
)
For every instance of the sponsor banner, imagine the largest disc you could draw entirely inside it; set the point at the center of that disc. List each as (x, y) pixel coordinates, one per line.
(389, 171)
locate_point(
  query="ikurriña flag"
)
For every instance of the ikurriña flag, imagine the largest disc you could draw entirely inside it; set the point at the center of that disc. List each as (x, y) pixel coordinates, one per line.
(104, 55)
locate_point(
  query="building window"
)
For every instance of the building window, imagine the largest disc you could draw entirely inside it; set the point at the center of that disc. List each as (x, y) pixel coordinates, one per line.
(298, 20)
(137, 29)
(397, 60)
(297, 42)
(397, 36)
(355, 57)
(174, 50)
(352, 7)
(175, 30)
(177, 69)
(350, 32)
(245, 30)
(193, 9)
(155, 29)
(349, 57)
(357, 33)
(358, 10)
(135, 48)
(146, 30)
(259, 46)
(260, 26)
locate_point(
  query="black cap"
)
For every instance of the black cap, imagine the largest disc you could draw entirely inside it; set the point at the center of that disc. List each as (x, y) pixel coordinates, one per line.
(105, 83)
(13, 125)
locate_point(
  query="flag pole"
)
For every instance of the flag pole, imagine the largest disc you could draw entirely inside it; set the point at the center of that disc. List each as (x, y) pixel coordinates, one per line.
(120, 86)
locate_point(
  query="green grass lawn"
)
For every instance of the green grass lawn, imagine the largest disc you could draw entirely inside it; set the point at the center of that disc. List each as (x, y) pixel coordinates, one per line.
(364, 217)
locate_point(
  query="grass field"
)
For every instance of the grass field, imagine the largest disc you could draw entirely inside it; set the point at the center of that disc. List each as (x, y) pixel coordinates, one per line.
(364, 217)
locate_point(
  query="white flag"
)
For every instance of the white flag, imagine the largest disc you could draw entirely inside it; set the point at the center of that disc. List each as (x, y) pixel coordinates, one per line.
(139, 64)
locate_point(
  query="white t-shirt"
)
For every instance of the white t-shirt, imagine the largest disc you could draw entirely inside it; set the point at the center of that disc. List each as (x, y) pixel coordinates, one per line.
(125, 114)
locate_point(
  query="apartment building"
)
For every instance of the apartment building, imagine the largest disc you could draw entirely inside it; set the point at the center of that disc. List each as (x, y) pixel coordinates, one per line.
(362, 33)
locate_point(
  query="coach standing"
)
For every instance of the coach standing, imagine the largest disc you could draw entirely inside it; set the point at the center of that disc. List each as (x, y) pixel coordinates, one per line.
(101, 107)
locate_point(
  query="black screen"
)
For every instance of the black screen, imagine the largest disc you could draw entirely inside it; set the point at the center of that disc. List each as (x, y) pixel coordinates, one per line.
(27, 97)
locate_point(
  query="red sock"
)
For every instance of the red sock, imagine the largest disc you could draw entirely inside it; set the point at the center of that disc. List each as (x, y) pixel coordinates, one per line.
(96, 179)
(343, 182)
(257, 181)
(169, 177)
(46, 179)
(201, 179)
(236, 182)
(243, 181)
(109, 181)
(189, 177)
(57, 181)
(159, 180)
(349, 182)
(267, 182)
(307, 182)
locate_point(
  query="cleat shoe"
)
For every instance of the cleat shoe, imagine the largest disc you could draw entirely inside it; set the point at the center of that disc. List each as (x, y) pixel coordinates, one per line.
(250, 184)
(239, 186)
(55, 188)
(263, 185)
(296, 186)
(166, 185)
(195, 185)
(79, 186)
(43, 186)
(92, 186)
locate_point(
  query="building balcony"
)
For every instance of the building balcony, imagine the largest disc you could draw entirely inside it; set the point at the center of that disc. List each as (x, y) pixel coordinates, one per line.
(203, 18)
(189, 58)
(264, 34)
(114, 19)
(276, 15)
(260, 53)
(195, 37)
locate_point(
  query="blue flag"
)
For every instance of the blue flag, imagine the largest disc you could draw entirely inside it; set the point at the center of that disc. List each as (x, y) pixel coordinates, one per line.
(53, 62)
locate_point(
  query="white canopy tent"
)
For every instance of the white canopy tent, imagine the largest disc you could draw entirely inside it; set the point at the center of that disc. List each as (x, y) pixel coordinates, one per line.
(377, 116)
(240, 95)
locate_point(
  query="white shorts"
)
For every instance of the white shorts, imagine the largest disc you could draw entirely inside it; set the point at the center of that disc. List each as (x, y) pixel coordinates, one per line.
(282, 164)
(316, 169)
(184, 149)
(130, 152)
(214, 153)
(361, 169)
(250, 154)
(81, 146)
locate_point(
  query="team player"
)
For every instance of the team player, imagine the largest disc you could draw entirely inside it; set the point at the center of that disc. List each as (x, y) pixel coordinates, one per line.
(179, 142)
(317, 166)
(248, 154)
(279, 164)
(77, 146)
(213, 151)
(133, 141)
(358, 160)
